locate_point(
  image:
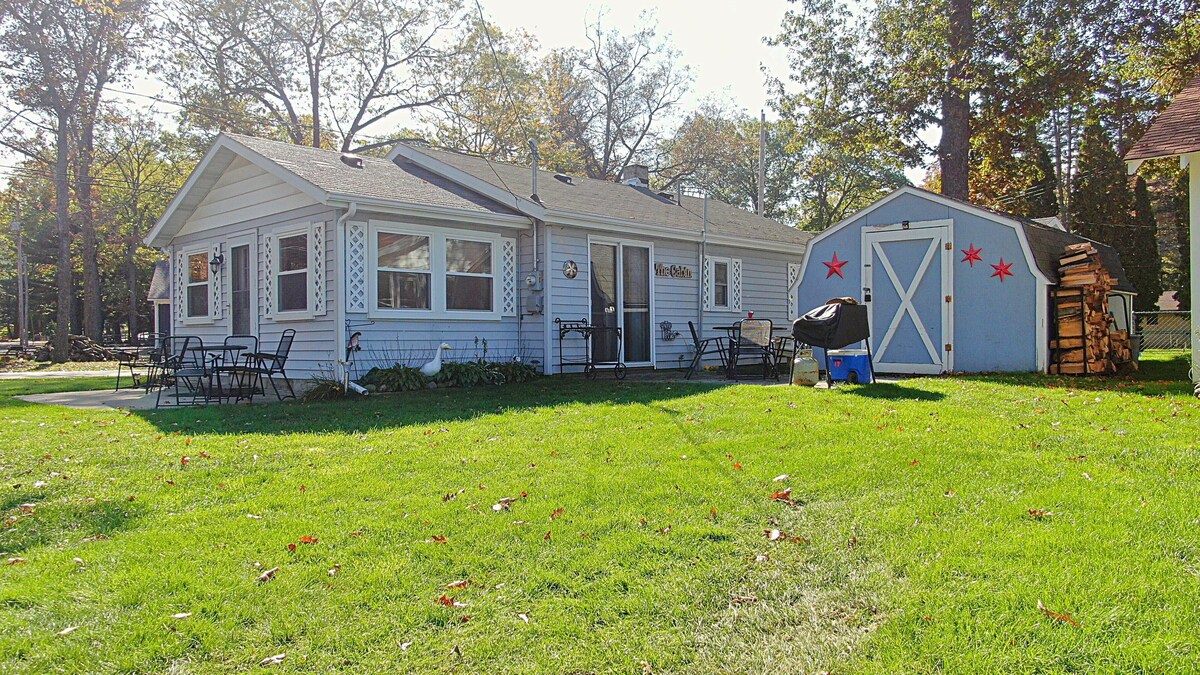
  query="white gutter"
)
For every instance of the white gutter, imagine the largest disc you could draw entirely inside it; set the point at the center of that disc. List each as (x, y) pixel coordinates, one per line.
(430, 211)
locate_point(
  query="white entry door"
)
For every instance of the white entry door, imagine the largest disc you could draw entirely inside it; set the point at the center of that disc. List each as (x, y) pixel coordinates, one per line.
(907, 276)
(243, 286)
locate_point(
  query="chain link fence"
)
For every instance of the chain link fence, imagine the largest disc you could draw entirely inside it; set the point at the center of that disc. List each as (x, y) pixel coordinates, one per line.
(1164, 330)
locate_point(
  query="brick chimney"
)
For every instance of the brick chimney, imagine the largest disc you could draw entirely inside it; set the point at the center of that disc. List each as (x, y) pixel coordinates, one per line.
(637, 175)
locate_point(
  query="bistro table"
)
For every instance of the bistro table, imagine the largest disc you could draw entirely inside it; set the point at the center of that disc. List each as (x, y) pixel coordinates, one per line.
(782, 335)
(212, 359)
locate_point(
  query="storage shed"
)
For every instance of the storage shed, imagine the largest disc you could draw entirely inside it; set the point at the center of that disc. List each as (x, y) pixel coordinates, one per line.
(950, 286)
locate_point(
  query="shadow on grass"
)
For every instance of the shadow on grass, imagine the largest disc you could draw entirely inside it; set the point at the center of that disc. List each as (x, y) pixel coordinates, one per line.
(417, 408)
(96, 520)
(890, 391)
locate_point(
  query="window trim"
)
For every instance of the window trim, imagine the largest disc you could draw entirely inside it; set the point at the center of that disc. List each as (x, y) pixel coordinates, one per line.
(207, 317)
(278, 314)
(711, 290)
(437, 271)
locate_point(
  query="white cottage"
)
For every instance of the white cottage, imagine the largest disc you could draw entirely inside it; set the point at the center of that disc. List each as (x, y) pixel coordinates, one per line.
(429, 246)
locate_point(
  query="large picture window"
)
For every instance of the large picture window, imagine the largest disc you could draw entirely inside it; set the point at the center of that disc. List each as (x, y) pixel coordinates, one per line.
(292, 276)
(469, 280)
(403, 271)
(435, 272)
(197, 285)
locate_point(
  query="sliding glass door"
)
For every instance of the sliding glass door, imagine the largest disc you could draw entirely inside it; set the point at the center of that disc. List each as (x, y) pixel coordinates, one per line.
(620, 298)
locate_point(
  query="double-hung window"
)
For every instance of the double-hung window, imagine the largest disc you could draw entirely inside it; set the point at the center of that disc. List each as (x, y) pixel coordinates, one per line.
(197, 286)
(291, 278)
(720, 285)
(403, 271)
(469, 276)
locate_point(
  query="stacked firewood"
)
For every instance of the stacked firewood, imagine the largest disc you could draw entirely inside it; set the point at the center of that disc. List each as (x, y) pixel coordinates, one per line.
(1086, 341)
(82, 348)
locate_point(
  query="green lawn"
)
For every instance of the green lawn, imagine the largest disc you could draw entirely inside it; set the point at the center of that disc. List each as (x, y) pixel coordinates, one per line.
(914, 541)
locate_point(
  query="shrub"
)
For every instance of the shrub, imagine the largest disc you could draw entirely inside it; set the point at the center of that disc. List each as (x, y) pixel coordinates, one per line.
(465, 374)
(395, 378)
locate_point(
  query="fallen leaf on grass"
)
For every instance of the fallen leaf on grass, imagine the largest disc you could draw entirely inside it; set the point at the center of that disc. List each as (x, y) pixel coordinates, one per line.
(27, 508)
(782, 495)
(446, 600)
(356, 533)
(16, 561)
(268, 575)
(404, 646)
(1077, 458)
(665, 530)
(1038, 514)
(557, 513)
(737, 465)
(524, 617)
(464, 618)
(68, 630)
(950, 493)
(914, 462)
(273, 660)
(762, 558)
(547, 535)
(463, 583)
(742, 599)
(291, 547)
(437, 539)
(253, 517)
(1065, 618)
(184, 461)
(308, 539)
(780, 478)
(181, 615)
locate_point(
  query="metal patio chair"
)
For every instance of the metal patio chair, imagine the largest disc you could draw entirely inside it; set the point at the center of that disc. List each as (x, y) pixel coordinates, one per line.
(752, 342)
(181, 370)
(713, 345)
(239, 366)
(269, 365)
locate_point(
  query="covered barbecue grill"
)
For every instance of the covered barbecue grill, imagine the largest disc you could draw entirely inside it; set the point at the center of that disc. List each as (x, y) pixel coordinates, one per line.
(835, 325)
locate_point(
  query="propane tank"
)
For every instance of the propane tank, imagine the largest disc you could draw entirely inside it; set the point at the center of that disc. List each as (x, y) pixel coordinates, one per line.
(805, 372)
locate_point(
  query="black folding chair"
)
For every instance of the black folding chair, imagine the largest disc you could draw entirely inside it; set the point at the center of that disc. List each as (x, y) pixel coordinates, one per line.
(181, 370)
(270, 365)
(714, 345)
(753, 343)
(238, 365)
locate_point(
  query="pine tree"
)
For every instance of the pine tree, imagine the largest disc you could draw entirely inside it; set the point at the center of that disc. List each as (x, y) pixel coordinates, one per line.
(1141, 258)
(1183, 286)
(1100, 199)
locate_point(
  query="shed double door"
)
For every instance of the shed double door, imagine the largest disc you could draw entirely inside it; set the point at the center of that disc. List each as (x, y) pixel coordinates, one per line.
(907, 276)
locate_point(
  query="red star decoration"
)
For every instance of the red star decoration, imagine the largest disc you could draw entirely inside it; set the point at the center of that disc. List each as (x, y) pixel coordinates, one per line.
(972, 254)
(835, 267)
(1002, 270)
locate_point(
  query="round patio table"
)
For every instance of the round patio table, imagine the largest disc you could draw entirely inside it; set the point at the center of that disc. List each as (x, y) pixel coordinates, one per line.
(216, 355)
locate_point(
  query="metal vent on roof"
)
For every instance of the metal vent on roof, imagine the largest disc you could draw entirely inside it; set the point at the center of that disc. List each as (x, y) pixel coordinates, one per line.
(352, 160)
(564, 178)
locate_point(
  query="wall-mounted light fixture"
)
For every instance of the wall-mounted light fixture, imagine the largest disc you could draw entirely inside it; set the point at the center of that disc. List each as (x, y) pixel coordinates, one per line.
(216, 263)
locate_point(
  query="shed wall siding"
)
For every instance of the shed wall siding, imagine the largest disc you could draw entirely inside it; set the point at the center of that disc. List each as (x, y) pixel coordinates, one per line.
(243, 192)
(995, 324)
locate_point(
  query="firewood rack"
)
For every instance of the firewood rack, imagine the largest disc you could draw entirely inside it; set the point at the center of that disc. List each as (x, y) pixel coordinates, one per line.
(581, 331)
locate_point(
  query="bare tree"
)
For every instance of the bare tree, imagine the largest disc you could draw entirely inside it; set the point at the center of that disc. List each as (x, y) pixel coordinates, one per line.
(304, 68)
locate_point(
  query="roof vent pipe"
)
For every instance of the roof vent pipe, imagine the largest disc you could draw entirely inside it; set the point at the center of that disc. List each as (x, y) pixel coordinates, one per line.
(533, 159)
(352, 160)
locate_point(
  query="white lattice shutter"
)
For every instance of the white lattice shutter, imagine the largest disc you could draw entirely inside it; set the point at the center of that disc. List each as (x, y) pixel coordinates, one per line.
(268, 260)
(735, 284)
(356, 268)
(508, 266)
(215, 284)
(316, 268)
(706, 281)
(179, 288)
(793, 280)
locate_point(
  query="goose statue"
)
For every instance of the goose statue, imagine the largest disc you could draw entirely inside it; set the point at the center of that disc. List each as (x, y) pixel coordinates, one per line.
(435, 366)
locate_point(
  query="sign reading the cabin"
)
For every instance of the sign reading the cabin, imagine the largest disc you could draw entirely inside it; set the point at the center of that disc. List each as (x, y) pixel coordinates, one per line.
(672, 271)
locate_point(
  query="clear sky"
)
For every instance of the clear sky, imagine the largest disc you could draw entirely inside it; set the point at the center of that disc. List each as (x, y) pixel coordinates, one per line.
(721, 42)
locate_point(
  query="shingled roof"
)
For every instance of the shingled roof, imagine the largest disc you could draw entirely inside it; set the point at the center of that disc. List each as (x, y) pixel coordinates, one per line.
(603, 199)
(160, 283)
(378, 178)
(1176, 130)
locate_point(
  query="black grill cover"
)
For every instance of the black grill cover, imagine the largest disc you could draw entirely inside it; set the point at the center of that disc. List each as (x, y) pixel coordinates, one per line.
(832, 326)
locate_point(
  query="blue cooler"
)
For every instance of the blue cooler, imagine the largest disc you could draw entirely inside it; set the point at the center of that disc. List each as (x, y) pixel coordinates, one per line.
(851, 365)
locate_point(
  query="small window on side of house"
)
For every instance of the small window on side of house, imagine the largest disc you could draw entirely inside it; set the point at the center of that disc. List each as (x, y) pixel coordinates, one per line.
(721, 285)
(292, 277)
(197, 285)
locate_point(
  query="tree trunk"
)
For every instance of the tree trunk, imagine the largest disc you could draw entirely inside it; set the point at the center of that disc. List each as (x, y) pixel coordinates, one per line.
(62, 218)
(93, 325)
(955, 145)
(131, 275)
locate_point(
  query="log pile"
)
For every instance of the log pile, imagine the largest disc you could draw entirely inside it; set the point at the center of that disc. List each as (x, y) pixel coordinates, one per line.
(1085, 340)
(82, 349)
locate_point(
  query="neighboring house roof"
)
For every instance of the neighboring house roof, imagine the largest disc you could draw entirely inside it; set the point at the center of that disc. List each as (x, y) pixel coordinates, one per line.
(160, 283)
(592, 198)
(326, 179)
(1051, 221)
(1175, 131)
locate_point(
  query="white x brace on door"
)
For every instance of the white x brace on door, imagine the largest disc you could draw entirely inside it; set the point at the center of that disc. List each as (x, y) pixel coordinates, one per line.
(907, 274)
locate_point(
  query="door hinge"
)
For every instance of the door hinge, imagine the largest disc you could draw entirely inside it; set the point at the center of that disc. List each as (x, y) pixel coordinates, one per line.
(947, 298)
(949, 246)
(949, 347)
